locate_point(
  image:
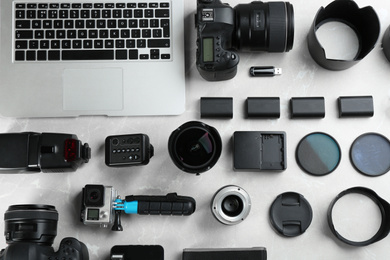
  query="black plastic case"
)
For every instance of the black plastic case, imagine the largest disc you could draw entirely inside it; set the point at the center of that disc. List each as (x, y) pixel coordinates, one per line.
(359, 106)
(137, 252)
(259, 151)
(263, 107)
(312, 107)
(255, 253)
(216, 107)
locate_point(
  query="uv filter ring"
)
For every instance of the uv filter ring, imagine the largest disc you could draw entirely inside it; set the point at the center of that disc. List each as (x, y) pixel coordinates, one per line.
(318, 154)
(370, 154)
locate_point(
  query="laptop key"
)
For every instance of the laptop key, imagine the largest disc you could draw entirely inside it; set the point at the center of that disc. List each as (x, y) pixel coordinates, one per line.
(54, 55)
(23, 24)
(165, 27)
(28, 34)
(21, 45)
(30, 55)
(41, 55)
(162, 13)
(87, 55)
(19, 55)
(158, 43)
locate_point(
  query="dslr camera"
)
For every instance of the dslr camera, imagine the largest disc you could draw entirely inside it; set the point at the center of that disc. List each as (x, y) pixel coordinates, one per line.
(101, 206)
(223, 30)
(30, 231)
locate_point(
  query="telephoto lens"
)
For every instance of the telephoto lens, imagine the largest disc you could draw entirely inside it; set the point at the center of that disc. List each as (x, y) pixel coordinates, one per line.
(231, 205)
(195, 147)
(264, 26)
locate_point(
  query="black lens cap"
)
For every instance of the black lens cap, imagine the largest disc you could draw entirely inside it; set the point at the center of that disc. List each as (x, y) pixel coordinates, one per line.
(318, 154)
(370, 154)
(290, 214)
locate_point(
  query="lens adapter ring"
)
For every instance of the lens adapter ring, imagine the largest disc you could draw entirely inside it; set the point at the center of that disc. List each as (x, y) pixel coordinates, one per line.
(238, 212)
(364, 22)
(383, 206)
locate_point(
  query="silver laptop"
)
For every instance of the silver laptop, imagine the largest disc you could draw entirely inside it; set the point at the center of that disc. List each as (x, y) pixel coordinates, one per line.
(84, 57)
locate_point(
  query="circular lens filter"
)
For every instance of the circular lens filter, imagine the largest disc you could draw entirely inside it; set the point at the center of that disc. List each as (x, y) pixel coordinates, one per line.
(318, 154)
(370, 154)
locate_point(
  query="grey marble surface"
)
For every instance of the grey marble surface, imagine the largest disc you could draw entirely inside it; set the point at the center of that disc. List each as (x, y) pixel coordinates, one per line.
(301, 77)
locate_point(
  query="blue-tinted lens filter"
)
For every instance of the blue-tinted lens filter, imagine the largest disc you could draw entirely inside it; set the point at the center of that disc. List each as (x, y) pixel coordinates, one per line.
(370, 154)
(318, 154)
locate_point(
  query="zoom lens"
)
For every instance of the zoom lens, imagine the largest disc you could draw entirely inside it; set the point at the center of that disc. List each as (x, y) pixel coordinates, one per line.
(31, 223)
(231, 205)
(264, 26)
(195, 147)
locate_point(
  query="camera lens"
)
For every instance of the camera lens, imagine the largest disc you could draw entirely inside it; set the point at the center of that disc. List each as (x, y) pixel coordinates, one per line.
(195, 147)
(94, 196)
(264, 26)
(31, 223)
(231, 205)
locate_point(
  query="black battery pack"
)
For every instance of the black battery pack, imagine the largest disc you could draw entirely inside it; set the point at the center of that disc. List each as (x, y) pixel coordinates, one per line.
(255, 253)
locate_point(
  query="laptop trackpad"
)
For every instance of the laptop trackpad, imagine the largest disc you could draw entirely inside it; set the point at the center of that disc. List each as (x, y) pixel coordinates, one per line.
(93, 89)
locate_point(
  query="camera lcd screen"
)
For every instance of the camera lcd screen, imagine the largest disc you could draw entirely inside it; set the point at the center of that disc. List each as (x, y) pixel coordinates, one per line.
(208, 47)
(93, 214)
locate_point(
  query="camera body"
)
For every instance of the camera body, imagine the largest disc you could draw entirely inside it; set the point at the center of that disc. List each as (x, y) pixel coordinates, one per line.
(221, 30)
(30, 231)
(98, 205)
(70, 248)
(215, 23)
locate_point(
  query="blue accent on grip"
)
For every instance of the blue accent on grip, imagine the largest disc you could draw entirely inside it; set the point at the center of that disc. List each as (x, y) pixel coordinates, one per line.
(131, 207)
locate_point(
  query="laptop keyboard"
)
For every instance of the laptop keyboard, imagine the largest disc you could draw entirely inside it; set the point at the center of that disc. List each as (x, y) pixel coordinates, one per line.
(92, 31)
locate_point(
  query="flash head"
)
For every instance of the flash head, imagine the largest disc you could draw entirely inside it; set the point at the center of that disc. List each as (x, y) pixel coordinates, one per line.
(46, 152)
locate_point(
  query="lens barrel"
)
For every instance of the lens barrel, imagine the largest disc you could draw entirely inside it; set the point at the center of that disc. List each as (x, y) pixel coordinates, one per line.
(264, 26)
(33, 223)
(231, 205)
(195, 147)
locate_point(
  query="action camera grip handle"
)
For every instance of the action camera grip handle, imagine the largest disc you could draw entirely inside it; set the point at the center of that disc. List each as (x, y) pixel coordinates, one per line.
(171, 204)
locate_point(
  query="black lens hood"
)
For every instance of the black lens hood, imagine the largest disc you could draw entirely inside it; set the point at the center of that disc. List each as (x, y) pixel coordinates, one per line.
(386, 43)
(364, 22)
(383, 206)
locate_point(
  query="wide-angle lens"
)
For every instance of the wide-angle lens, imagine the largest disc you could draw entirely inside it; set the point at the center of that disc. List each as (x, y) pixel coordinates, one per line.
(195, 147)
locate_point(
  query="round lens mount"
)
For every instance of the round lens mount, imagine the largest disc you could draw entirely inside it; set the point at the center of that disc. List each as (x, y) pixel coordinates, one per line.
(231, 205)
(32, 223)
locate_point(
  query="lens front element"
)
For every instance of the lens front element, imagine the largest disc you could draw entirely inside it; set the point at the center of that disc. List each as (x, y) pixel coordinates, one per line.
(231, 205)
